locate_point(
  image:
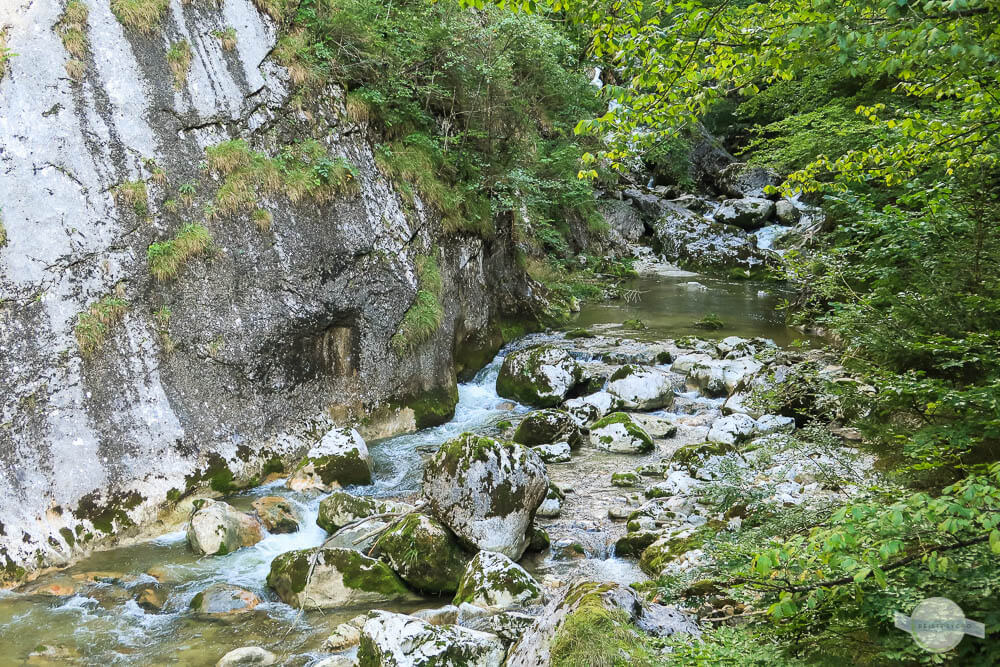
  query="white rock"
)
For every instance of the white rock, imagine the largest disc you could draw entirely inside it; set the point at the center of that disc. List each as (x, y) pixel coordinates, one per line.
(494, 581)
(720, 377)
(642, 388)
(558, 452)
(396, 640)
(619, 433)
(344, 636)
(685, 362)
(341, 458)
(733, 429)
(590, 408)
(775, 424)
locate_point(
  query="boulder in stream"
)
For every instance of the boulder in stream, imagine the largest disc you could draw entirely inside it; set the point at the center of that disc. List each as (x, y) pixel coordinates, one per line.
(543, 427)
(397, 640)
(558, 452)
(216, 529)
(619, 433)
(276, 514)
(721, 377)
(247, 656)
(424, 553)
(340, 459)
(486, 491)
(339, 578)
(749, 213)
(553, 638)
(224, 600)
(733, 429)
(494, 581)
(538, 376)
(641, 388)
(341, 508)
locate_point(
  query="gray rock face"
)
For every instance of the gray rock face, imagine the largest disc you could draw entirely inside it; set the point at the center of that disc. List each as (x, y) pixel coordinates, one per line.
(215, 528)
(231, 363)
(749, 213)
(743, 180)
(486, 491)
(396, 640)
(688, 238)
(623, 218)
(534, 647)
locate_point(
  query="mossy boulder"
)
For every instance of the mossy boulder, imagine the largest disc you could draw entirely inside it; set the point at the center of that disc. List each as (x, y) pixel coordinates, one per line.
(691, 455)
(634, 543)
(224, 600)
(548, 426)
(276, 513)
(494, 581)
(485, 491)
(642, 388)
(216, 529)
(624, 479)
(340, 578)
(397, 640)
(665, 550)
(341, 508)
(538, 376)
(424, 553)
(721, 377)
(619, 433)
(340, 459)
(558, 452)
(598, 624)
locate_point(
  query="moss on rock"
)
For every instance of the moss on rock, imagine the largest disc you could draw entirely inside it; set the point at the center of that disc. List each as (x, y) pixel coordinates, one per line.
(341, 577)
(546, 426)
(538, 376)
(494, 581)
(617, 432)
(424, 553)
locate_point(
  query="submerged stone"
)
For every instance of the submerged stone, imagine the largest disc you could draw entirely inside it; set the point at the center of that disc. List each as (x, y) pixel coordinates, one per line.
(224, 600)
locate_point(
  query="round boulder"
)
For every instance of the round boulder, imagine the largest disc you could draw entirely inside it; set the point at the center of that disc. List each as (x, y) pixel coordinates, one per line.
(538, 376)
(486, 491)
(340, 459)
(340, 578)
(424, 553)
(641, 388)
(620, 434)
(494, 581)
(749, 213)
(223, 600)
(216, 529)
(341, 508)
(246, 657)
(547, 426)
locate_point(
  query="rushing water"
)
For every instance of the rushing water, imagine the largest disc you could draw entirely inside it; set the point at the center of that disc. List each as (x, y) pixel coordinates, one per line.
(101, 624)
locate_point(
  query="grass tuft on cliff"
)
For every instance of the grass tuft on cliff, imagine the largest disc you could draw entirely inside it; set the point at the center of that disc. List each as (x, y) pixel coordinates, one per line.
(227, 38)
(93, 325)
(301, 171)
(140, 15)
(166, 258)
(424, 316)
(179, 59)
(133, 194)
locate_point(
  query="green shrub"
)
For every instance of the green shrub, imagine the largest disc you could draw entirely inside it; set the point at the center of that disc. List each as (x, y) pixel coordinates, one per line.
(167, 257)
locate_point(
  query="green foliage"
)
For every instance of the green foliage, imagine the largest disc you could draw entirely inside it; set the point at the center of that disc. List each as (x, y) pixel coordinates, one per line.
(423, 317)
(300, 171)
(226, 37)
(476, 111)
(167, 257)
(93, 325)
(141, 15)
(133, 194)
(594, 636)
(5, 53)
(179, 59)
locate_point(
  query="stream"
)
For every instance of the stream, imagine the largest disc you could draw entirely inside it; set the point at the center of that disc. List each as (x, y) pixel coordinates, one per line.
(88, 613)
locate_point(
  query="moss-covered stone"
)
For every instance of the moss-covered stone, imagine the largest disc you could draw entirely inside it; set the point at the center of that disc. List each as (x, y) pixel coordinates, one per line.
(547, 426)
(665, 550)
(424, 553)
(624, 479)
(538, 539)
(340, 458)
(538, 376)
(617, 432)
(224, 600)
(634, 543)
(434, 407)
(340, 577)
(341, 508)
(494, 581)
(689, 454)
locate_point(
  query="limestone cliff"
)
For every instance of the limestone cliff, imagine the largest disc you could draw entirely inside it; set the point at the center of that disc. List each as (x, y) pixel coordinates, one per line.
(121, 391)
